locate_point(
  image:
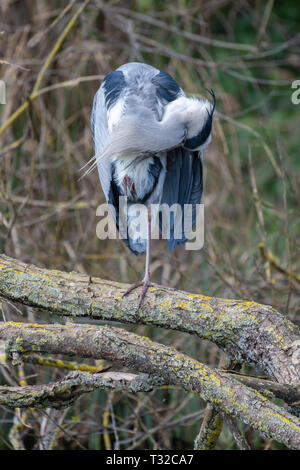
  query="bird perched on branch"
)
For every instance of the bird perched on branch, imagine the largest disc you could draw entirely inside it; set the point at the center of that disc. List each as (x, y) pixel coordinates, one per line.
(148, 138)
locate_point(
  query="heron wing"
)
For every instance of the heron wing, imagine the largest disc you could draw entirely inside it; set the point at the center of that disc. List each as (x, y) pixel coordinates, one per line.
(183, 181)
(167, 89)
(109, 92)
(99, 128)
(183, 185)
(109, 97)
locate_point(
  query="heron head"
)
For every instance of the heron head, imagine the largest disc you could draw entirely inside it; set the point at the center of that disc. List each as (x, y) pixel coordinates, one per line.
(199, 116)
(194, 118)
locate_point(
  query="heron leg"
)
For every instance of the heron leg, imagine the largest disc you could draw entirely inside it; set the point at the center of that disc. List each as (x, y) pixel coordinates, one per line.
(146, 282)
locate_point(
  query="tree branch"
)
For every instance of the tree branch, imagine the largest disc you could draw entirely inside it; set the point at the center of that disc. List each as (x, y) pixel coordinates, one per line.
(225, 394)
(237, 435)
(246, 330)
(64, 392)
(290, 394)
(210, 430)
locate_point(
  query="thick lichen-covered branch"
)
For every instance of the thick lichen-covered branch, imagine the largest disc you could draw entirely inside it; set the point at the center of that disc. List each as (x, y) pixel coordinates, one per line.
(141, 354)
(290, 394)
(246, 330)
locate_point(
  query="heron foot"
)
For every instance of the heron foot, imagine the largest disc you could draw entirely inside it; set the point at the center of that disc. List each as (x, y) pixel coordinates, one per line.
(145, 283)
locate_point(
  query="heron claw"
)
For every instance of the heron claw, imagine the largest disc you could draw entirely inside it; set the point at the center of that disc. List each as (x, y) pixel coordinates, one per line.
(145, 283)
(131, 288)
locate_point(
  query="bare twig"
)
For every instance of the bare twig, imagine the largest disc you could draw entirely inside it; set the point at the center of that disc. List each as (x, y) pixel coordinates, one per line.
(237, 435)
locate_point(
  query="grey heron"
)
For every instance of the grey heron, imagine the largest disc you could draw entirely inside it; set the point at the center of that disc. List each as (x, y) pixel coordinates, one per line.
(148, 138)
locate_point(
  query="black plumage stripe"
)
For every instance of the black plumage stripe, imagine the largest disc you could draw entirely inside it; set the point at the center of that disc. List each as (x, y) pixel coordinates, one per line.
(203, 135)
(113, 84)
(200, 138)
(167, 88)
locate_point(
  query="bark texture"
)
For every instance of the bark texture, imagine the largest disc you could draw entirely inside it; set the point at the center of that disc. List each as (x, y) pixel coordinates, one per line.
(65, 392)
(246, 330)
(225, 394)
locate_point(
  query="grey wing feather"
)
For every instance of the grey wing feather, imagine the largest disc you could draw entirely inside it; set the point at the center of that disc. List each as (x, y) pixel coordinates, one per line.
(184, 180)
(100, 133)
(183, 185)
(99, 128)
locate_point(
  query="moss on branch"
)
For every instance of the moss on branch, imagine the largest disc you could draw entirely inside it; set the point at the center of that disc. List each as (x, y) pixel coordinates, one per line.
(225, 394)
(64, 392)
(246, 330)
(210, 431)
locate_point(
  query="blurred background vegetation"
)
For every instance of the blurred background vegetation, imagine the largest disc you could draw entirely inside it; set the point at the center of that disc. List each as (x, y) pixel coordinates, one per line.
(248, 52)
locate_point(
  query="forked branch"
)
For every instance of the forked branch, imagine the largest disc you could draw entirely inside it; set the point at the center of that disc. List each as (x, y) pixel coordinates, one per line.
(140, 354)
(248, 331)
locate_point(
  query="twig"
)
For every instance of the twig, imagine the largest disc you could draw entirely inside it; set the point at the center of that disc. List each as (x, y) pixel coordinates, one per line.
(43, 70)
(185, 34)
(268, 255)
(237, 435)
